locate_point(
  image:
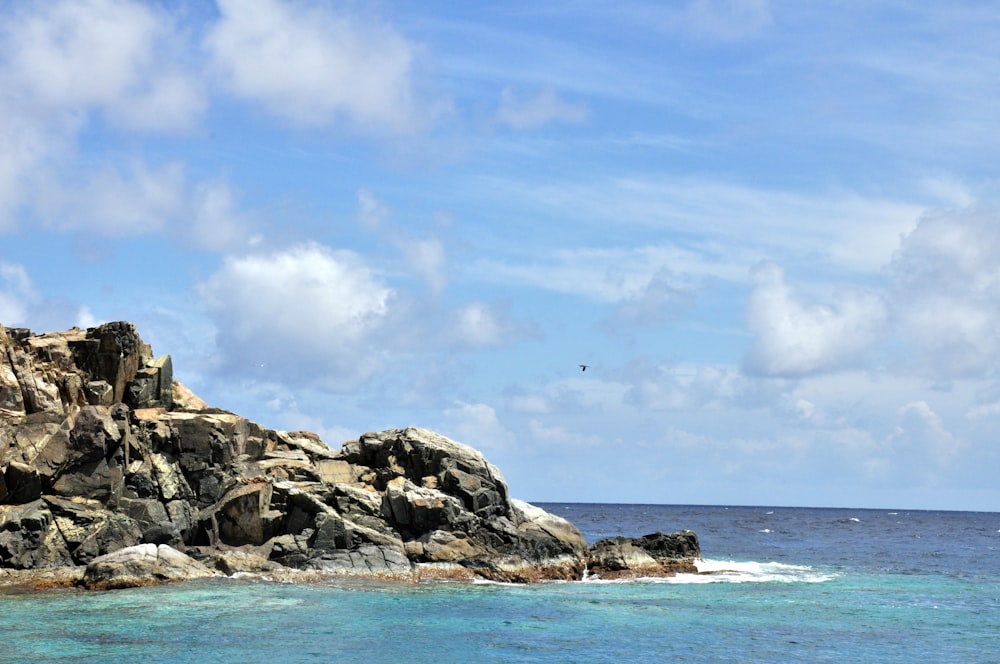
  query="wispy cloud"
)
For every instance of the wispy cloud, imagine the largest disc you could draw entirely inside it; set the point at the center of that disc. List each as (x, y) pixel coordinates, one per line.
(532, 111)
(835, 230)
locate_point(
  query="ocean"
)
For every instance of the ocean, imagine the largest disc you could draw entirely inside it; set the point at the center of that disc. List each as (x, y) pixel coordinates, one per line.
(790, 585)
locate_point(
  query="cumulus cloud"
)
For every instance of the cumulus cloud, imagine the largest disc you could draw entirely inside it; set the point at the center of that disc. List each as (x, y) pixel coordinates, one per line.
(63, 62)
(112, 56)
(792, 338)
(304, 314)
(62, 66)
(311, 65)
(530, 112)
(946, 291)
(938, 312)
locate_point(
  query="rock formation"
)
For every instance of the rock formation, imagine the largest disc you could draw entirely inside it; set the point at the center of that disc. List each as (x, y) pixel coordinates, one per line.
(112, 469)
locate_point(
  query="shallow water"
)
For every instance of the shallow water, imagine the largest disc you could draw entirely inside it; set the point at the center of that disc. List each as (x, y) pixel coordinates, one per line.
(789, 585)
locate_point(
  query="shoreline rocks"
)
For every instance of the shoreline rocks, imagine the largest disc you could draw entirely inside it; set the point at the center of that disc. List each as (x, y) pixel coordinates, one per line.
(111, 468)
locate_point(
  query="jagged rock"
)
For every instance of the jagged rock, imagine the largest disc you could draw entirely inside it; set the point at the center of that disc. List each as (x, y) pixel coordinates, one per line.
(142, 565)
(103, 452)
(657, 554)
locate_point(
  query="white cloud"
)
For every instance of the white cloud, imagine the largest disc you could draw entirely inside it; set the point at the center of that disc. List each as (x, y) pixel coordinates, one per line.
(215, 223)
(85, 318)
(109, 201)
(663, 299)
(561, 436)
(531, 112)
(22, 304)
(372, 213)
(303, 314)
(478, 324)
(311, 65)
(946, 291)
(648, 282)
(16, 292)
(829, 230)
(794, 339)
(921, 430)
(113, 56)
(63, 64)
(142, 199)
(983, 411)
(689, 387)
(425, 257)
(477, 424)
(24, 148)
(529, 402)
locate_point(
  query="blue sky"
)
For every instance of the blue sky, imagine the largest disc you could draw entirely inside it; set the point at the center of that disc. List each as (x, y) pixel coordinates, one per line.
(770, 228)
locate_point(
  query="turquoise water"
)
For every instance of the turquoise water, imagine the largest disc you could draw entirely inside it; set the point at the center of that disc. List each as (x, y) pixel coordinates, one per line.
(800, 586)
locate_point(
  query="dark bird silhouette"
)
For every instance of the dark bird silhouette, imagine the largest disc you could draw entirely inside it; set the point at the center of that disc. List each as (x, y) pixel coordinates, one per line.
(583, 367)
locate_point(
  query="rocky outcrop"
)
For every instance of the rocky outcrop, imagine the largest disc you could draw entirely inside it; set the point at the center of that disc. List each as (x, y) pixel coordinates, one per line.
(107, 462)
(654, 555)
(142, 565)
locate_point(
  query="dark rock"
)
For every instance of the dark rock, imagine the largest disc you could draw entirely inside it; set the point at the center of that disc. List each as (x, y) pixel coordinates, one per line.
(22, 482)
(657, 554)
(142, 485)
(102, 452)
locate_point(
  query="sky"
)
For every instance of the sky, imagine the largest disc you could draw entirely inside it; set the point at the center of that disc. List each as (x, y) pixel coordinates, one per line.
(770, 229)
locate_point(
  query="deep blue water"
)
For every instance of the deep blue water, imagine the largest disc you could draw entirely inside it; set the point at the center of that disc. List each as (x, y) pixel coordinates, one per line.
(803, 585)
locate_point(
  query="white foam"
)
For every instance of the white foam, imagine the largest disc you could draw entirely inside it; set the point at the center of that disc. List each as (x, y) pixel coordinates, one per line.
(729, 571)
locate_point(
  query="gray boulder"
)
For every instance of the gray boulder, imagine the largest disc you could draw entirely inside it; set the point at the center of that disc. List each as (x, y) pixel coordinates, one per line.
(142, 565)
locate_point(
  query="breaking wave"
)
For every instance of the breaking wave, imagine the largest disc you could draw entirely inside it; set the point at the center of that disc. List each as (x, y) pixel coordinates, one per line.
(728, 571)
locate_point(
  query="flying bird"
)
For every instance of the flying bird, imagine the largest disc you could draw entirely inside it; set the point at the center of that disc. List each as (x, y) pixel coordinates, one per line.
(583, 367)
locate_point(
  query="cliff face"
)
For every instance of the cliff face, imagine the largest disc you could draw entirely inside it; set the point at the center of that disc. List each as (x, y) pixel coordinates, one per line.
(102, 451)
